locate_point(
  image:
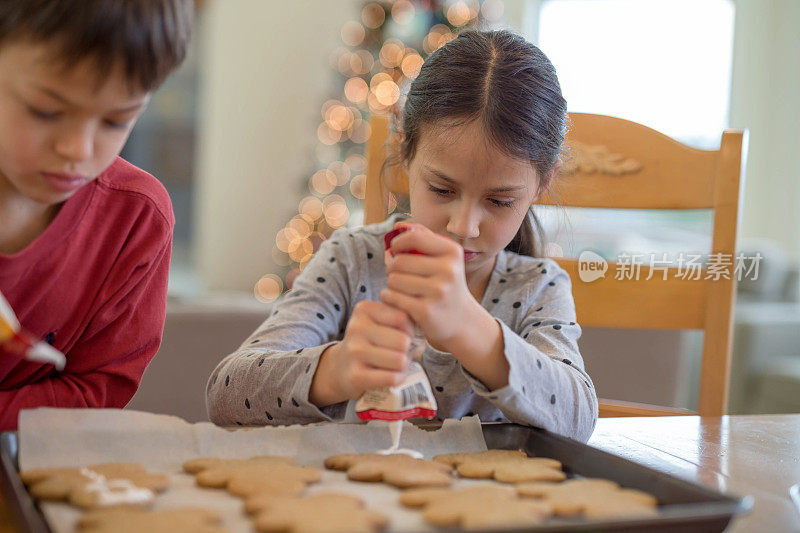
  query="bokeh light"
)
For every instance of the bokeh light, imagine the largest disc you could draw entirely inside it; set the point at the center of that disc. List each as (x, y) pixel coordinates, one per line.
(328, 135)
(387, 92)
(492, 10)
(268, 288)
(361, 62)
(356, 162)
(356, 90)
(403, 11)
(323, 182)
(391, 54)
(358, 186)
(341, 172)
(381, 53)
(352, 33)
(361, 131)
(373, 15)
(459, 13)
(411, 65)
(311, 208)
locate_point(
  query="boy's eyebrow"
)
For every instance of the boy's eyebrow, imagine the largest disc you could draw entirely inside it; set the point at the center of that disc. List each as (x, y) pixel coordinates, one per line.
(64, 101)
(441, 175)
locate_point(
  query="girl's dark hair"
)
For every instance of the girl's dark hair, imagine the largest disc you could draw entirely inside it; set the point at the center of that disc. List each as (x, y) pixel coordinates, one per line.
(149, 37)
(508, 84)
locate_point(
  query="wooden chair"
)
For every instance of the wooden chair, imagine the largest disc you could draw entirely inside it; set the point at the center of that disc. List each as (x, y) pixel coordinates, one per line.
(617, 163)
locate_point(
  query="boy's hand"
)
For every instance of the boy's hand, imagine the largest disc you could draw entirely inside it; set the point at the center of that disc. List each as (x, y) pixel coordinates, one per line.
(431, 288)
(372, 354)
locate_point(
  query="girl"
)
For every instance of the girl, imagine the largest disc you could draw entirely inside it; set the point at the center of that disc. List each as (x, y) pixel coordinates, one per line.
(482, 130)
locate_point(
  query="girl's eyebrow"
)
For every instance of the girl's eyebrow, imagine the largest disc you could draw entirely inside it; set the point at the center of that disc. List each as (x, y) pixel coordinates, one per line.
(441, 175)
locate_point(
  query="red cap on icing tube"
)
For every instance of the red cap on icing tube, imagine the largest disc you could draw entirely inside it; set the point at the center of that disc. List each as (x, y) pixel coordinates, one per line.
(389, 237)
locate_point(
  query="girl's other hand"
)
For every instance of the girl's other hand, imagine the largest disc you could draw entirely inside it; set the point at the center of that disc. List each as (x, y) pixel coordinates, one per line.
(372, 354)
(426, 280)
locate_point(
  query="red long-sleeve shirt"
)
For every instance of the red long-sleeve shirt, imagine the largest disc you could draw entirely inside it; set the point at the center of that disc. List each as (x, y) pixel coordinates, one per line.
(94, 285)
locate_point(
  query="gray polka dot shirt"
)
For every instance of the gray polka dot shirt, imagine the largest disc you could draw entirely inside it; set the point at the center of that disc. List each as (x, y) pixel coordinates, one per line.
(267, 380)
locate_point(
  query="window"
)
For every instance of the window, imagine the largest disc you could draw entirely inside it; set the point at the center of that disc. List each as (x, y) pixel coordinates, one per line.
(663, 63)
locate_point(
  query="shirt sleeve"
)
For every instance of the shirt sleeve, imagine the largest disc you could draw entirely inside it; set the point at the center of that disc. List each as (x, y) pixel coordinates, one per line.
(547, 384)
(268, 379)
(104, 367)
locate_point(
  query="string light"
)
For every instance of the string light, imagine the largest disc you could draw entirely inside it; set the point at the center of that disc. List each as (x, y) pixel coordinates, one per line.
(376, 69)
(373, 15)
(268, 288)
(403, 11)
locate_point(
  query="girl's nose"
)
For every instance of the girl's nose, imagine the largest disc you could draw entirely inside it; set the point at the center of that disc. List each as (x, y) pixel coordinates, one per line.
(464, 223)
(76, 144)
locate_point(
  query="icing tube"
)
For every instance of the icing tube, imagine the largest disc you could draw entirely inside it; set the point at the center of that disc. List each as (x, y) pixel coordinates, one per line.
(16, 341)
(413, 397)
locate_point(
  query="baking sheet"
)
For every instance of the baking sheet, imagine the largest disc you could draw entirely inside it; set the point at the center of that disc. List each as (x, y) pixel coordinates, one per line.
(77, 437)
(684, 506)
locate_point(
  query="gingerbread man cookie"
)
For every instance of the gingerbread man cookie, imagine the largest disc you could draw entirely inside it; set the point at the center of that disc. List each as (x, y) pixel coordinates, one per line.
(188, 520)
(401, 471)
(592, 498)
(102, 485)
(482, 507)
(507, 466)
(246, 477)
(320, 513)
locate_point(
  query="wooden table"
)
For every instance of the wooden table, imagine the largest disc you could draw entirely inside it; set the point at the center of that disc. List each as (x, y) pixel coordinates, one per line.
(745, 455)
(756, 455)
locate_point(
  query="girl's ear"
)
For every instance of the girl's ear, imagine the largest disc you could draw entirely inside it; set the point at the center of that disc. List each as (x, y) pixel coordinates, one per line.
(557, 166)
(543, 185)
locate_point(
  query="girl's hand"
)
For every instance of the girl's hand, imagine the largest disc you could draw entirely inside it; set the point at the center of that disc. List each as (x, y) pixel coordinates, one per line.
(372, 354)
(432, 287)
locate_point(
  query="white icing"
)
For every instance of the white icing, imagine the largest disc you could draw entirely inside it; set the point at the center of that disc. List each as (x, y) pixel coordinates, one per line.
(116, 491)
(396, 428)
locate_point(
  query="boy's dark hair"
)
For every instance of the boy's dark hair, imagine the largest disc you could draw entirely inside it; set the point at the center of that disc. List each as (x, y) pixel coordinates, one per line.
(148, 37)
(508, 84)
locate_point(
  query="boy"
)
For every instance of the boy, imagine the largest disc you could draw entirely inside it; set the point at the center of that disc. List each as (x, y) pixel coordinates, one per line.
(85, 237)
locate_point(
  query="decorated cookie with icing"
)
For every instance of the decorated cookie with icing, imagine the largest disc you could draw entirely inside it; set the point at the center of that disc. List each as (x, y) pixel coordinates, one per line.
(101, 485)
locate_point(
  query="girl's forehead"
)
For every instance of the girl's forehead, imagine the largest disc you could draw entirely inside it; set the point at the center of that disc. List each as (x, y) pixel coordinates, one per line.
(464, 149)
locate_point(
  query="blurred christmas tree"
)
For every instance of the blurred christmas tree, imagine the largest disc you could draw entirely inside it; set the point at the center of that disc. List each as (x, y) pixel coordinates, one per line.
(382, 54)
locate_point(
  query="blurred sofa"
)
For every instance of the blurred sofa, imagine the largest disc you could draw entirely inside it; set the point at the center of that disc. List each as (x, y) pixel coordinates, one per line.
(198, 333)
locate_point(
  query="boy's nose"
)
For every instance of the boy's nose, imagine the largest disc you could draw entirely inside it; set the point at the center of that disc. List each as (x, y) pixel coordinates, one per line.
(77, 144)
(464, 223)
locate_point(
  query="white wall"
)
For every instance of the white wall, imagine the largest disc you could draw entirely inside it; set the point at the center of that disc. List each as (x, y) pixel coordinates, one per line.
(765, 99)
(264, 74)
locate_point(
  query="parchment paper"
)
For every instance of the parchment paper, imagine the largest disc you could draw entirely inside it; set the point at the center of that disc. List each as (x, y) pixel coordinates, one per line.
(78, 437)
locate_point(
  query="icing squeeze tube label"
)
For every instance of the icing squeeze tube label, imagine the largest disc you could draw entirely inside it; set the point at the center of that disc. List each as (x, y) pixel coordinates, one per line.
(413, 397)
(16, 341)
